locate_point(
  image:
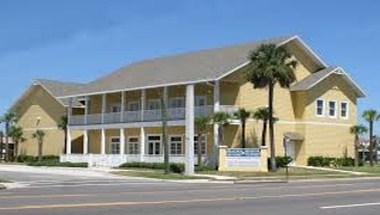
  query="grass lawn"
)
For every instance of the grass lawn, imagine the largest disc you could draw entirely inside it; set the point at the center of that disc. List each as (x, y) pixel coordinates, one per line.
(375, 170)
(294, 173)
(157, 174)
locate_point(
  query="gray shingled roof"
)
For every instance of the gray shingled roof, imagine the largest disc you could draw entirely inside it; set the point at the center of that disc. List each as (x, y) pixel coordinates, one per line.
(204, 65)
(313, 79)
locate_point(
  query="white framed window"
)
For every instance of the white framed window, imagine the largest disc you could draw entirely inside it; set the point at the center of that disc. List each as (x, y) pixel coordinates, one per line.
(154, 145)
(133, 106)
(332, 109)
(133, 145)
(203, 144)
(115, 145)
(344, 110)
(176, 145)
(115, 108)
(176, 102)
(319, 107)
(153, 104)
(200, 100)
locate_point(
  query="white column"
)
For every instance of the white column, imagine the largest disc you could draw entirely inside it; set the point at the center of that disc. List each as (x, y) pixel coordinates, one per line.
(103, 142)
(85, 141)
(68, 139)
(104, 106)
(68, 143)
(189, 127)
(142, 104)
(216, 126)
(122, 106)
(122, 141)
(85, 110)
(142, 143)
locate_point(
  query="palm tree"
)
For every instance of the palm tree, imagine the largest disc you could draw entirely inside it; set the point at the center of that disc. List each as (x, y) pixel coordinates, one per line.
(357, 130)
(222, 119)
(371, 116)
(9, 118)
(62, 124)
(271, 64)
(39, 135)
(17, 135)
(1, 144)
(164, 118)
(242, 114)
(263, 115)
(201, 124)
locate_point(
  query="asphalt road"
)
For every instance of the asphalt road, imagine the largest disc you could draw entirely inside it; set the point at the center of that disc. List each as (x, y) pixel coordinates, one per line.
(81, 195)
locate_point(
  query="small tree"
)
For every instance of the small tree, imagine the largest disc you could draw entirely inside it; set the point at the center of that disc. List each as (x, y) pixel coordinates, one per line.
(357, 130)
(270, 65)
(62, 124)
(263, 115)
(371, 116)
(39, 136)
(9, 118)
(17, 134)
(201, 124)
(221, 119)
(242, 114)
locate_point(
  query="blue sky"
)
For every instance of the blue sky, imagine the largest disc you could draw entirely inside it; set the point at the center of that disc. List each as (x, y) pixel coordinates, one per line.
(81, 40)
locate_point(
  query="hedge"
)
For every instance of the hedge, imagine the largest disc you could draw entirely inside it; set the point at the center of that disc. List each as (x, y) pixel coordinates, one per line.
(281, 161)
(322, 161)
(28, 158)
(56, 163)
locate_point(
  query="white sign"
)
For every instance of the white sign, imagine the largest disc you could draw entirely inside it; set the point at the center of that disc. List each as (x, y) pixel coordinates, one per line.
(239, 157)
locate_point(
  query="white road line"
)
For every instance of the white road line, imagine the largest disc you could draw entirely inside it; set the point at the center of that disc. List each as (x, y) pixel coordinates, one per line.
(351, 205)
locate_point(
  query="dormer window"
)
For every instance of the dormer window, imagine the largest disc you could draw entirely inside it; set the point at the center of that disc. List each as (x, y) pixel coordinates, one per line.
(320, 106)
(344, 110)
(332, 109)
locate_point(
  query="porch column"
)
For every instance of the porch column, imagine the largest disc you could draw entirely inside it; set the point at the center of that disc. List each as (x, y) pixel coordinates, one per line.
(85, 141)
(85, 120)
(104, 106)
(142, 104)
(68, 139)
(215, 148)
(122, 106)
(103, 142)
(189, 126)
(142, 143)
(122, 141)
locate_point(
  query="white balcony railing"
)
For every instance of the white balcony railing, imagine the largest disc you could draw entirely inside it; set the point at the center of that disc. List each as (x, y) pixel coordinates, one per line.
(149, 115)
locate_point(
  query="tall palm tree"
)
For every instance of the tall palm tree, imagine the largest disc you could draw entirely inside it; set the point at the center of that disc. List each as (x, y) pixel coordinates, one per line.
(271, 64)
(371, 116)
(222, 119)
(164, 119)
(1, 144)
(9, 118)
(263, 115)
(39, 135)
(201, 124)
(357, 130)
(242, 114)
(62, 124)
(17, 134)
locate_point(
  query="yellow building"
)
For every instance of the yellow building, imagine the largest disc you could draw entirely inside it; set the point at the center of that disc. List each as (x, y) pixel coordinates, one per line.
(121, 120)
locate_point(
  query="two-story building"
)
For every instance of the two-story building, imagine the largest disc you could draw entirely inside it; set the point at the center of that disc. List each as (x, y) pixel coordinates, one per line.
(121, 117)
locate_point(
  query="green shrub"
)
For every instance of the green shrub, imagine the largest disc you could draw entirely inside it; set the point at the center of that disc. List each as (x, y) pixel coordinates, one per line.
(330, 161)
(52, 162)
(174, 167)
(281, 161)
(205, 168)
(29, 158)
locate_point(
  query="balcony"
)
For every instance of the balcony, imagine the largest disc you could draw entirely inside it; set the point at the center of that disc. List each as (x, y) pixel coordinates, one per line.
(135, 116)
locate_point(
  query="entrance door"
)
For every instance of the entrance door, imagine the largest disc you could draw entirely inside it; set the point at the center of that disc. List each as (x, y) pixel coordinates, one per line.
(154, 145)
(291, 151)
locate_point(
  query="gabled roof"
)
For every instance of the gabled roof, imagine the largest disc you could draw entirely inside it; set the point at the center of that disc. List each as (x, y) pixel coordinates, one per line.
(55, 89)
(315, 78)
(194, 67)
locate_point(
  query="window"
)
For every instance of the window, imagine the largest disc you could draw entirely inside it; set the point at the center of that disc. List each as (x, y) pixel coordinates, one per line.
(176, 146)
(200, 101)
(115, 108)
(344, 110)
(154, 145)
(332, 108)
(203, 144)
(153, 104)
(115, 145)
(133, 106)
(133, 145)
(320, 107)
(176, 102)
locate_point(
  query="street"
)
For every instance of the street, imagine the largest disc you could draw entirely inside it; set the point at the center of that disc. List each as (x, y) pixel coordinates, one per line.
(57, 194)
